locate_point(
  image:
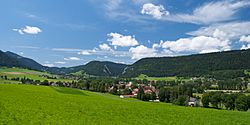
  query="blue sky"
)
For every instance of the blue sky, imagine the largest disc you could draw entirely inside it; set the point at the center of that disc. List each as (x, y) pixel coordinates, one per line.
(68, 33)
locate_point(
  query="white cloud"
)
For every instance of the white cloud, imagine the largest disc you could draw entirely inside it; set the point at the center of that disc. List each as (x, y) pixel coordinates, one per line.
(142, 51)
(142, 1)
(28, 30)
(20, 31)
(60, 62)
(84, 52)
(231, 31)
(208, 13)
(245, 39)
(105, 47)
(48, 65)
(28, 47)
(155, 11)
(72, 58)
(121, 40)
(122, 10)
(245, 47)
(66, 49)
(200, 44)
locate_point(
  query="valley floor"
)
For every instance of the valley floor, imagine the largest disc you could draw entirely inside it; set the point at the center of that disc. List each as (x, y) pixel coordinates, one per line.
(27, 104)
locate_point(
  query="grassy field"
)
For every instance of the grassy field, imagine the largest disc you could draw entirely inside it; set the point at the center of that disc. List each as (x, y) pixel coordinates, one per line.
(18, 72)
(141, 77)
(26, 104)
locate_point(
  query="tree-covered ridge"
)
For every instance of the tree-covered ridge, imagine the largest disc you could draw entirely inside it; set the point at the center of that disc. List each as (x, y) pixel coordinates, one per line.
(10, 59)
(96, 68)
(193, 65)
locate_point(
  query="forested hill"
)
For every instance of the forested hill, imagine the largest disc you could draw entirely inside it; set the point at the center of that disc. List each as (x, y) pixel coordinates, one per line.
(10, 59)
(193, 65)
(96, 68)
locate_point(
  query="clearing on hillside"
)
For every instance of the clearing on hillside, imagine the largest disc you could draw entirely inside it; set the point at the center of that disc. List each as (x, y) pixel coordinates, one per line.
(31, 74)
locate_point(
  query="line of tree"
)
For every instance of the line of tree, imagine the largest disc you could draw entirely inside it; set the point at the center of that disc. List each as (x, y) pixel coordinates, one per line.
(233, 84)
(231, 101)
(178, 95)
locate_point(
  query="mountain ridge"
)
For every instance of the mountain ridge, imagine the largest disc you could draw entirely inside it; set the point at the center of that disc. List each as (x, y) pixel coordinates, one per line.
(187, 65)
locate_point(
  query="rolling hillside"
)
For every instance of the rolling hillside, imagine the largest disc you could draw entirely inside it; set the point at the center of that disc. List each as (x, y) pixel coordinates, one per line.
(96, 68)
(192, 65)
(10, 59)
(52, 105)
(26, 73)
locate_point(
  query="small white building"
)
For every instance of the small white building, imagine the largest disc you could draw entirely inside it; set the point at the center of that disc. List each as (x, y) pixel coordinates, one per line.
(193, 102)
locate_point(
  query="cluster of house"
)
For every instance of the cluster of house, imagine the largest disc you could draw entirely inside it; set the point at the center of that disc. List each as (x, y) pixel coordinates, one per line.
(148, 89)
(134, 90)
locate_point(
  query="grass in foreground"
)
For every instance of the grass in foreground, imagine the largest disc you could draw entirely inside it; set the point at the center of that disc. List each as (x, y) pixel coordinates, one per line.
(26, 104)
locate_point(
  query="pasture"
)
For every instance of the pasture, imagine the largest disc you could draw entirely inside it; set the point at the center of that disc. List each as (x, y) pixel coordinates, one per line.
(27, 104)
(142, 77)
(31, 74)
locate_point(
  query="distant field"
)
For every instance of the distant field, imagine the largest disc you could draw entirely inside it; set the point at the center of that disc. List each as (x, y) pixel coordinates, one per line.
(18, 72)
(26, 104)
(141, 77)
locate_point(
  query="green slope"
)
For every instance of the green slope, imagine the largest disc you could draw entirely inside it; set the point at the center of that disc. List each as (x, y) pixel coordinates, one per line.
(25, 104)
(31, 74)
(192, 65)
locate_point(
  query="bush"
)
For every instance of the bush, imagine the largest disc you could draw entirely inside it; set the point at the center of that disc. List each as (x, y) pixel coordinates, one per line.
(242, 103)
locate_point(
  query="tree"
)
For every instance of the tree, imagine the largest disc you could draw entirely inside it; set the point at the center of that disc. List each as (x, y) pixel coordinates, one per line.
(229, 101)
(153, 96)
(181, 100)
(248, 101)
(205, 100)
(146, 97)
(127, 91)
(45, 82)
(114, 90)
(140, 94)
(216, 99)
(162, 94)
(241, 103)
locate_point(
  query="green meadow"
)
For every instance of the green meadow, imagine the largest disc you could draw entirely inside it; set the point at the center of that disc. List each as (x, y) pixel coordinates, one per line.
(27, 104)
(142, 77)
(31, 74)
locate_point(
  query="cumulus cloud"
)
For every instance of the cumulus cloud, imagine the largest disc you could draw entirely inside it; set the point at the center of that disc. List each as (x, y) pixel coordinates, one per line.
(117, 39)
(28, 30)
(142, 1)
(105, 47)
(245, 47)
(155, 11)
(200, 44)
(245, 39)
(142, 51)
(48, 65)
(84, 52)
(231, 31)
(205, 14)
(60, 62)
(72, 58)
